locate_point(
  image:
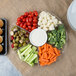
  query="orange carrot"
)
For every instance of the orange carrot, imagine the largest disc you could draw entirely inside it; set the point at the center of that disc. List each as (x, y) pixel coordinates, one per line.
(48, 54)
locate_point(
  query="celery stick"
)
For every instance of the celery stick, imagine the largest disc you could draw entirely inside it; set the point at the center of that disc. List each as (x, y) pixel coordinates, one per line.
(36, 60)
(19, 54)
(26, 57)
(33, 58)
(31, 64)
(36, 52)
(25, 50)
(30, 57)
(28, 51)
(34, 48)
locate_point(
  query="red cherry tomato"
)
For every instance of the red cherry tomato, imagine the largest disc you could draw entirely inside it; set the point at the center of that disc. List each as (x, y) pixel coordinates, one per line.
(33, 28)
(30, 13)
(29, 27)
(24, 26)
(34, 24)
(30, 19)
(24, 20)
(34, 21)
(28, 24)
(36, 13)
(17, 23)
(35, 17)
(27, 19)
(26, 13)
(22, 16)
(30, 30)
(18, 19)
(30, 16)
(21, 25)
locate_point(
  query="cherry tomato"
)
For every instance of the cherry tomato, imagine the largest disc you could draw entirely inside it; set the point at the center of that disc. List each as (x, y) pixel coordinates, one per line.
(36, 13)
(30, 16)
(30, 19)
(34, 24)
(29, 27)
(24, 20)
(17, 23)
(30, 30)
(26, 13)
(34, 21)
(30, 13)
(27, 19)
(35, 17)
(21, 25)
(24, 26)
(33, 28)
(28, 24)
(18, 19)
(22, 16)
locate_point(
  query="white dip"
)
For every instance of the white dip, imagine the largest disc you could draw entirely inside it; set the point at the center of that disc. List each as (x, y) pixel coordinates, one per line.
(38, 37)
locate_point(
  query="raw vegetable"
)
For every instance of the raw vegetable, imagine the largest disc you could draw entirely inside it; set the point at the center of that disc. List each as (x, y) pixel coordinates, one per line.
(47, 21)
(47, 54)
(28, 54)
(57, 37)
(28, 21)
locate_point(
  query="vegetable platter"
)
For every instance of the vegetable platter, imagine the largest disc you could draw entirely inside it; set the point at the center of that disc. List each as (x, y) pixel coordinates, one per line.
(38, 38)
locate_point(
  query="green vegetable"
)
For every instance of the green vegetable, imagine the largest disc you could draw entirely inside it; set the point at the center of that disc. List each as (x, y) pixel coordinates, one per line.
(33, 58)
(26, 50)
(28, 54)
(57, 37)
(23, 48)
(36, 60)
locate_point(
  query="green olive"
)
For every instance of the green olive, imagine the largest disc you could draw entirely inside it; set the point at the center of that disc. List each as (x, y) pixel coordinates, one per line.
(17, 37)
(24, 44)
(14, 35)
(18, 32)
(15, 45)
(22, 38)
(20, 45)
(27, 39)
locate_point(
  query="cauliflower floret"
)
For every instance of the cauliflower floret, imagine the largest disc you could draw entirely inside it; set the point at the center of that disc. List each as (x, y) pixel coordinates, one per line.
(47, 21)
(46, 29)
(51, 27)
(59, 22)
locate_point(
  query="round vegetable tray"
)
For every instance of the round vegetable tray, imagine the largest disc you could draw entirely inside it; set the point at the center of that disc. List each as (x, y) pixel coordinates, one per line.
(62, 50)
